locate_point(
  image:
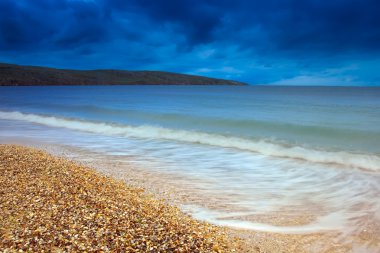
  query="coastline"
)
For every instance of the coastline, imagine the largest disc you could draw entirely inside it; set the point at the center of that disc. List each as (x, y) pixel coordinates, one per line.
(170, 189)
(19, 75)
(51, 203)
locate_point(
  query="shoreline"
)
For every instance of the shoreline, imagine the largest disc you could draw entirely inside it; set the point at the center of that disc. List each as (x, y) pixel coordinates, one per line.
(176, 189)
(21, 75)
(53, 203)
(161, 187)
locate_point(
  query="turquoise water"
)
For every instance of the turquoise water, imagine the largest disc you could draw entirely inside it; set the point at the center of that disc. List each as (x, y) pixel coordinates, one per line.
(337, 118)
(262, 148)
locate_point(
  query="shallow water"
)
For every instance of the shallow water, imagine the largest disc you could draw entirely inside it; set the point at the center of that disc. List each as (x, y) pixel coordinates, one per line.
(309, 156)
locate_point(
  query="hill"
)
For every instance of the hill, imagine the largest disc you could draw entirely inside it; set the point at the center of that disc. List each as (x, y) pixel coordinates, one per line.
(15, 75)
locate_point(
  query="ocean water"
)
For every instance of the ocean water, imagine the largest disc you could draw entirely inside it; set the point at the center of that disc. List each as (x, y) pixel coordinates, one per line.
(293, 150)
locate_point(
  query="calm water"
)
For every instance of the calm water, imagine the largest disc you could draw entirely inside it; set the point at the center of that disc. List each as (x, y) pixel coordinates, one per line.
(264, 148)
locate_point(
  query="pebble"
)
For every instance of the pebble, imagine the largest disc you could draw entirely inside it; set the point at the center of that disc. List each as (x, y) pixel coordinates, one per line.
(51, 204)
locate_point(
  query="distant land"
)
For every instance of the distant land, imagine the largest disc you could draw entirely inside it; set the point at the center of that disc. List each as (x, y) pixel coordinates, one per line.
(17, 75)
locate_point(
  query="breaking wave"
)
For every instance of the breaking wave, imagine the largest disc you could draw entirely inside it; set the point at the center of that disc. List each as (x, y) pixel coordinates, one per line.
(355, 160)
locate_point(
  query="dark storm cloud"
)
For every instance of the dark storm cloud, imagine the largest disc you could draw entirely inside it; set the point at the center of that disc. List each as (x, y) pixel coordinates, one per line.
(28, 25)
(323, 26)
(293, 25)
(20, 28)
(278, 25)
(197, 21)
(206, 34)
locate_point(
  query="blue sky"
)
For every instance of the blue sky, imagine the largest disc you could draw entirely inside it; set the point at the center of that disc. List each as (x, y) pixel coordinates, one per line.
(278, 42)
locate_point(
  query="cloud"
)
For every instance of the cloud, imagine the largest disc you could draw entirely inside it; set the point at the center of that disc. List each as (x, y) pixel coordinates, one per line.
(314, 81)
(266, 41)
(284, 26)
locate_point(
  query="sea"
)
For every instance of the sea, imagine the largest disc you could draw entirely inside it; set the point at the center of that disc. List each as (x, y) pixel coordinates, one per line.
(288, 151)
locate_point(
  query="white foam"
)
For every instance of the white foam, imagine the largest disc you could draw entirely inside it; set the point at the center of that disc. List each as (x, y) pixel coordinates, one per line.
(364, 161)
(331, 222)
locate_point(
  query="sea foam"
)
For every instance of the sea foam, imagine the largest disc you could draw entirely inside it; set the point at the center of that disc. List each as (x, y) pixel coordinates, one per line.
(265, 147)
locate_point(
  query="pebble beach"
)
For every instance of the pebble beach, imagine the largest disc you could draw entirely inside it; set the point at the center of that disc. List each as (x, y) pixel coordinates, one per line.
(50, 204)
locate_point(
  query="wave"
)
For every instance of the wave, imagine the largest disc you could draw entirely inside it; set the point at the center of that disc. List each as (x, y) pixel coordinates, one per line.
(355, 160)
(334, 221)
(249, 127)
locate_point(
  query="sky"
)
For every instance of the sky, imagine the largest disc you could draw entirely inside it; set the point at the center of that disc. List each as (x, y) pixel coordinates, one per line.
(274, 42)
